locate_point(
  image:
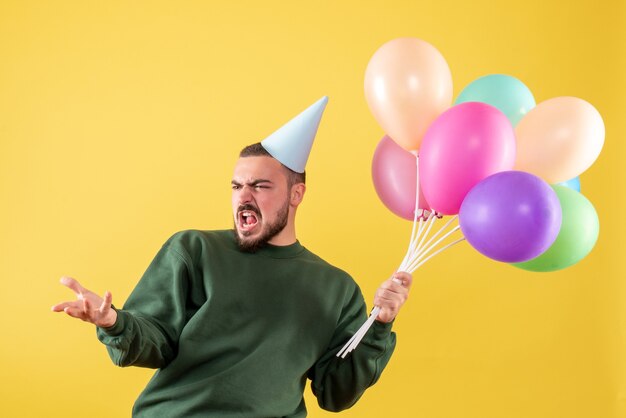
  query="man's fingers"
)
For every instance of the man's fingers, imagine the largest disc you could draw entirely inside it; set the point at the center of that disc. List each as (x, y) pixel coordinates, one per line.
(106, 303)
(61, 306)
(385, 298)
(86, 305)
(392, 286)
(392, 294)
(89, 307)
(75, 312)
(403, 278)
(72, 284)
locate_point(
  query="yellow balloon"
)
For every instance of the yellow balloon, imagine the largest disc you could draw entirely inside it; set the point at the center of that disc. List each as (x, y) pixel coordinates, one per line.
(407, 85)
(559, 139)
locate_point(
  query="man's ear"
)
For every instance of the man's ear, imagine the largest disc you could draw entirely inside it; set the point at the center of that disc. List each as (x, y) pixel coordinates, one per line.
(297, 194)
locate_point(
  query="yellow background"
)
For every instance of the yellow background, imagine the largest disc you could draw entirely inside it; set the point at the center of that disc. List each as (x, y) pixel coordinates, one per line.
(120, 123)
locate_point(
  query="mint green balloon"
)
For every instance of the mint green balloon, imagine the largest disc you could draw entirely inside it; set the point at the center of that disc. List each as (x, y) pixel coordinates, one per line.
(505, 93)
(578, 235)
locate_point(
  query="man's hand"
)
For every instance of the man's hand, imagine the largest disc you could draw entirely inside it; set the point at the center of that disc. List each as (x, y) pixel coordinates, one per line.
(391, 295)
(89, 307)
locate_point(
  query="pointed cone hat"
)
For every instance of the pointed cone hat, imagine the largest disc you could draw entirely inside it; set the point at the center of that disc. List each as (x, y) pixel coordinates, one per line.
(291, 144)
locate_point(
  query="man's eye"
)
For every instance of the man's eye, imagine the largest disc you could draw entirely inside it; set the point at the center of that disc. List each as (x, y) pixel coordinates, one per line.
(235, 187)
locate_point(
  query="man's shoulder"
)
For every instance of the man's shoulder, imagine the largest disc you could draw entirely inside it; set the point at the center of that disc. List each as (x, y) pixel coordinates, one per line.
(330, 269)
(190, 240)
(190, 234)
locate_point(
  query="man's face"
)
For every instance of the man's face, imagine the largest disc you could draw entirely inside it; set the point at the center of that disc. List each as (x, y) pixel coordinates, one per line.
(260, 201)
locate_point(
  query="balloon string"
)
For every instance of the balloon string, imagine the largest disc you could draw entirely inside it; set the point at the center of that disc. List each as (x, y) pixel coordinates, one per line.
(410, 264)
(430, 221)
(358, 336)
(412, 244)
(413, 237)
(413, 266)
(437, 252)
(419, 252)
(416, 214)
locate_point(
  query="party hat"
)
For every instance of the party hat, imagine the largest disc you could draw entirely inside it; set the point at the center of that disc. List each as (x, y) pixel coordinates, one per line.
(291, 144)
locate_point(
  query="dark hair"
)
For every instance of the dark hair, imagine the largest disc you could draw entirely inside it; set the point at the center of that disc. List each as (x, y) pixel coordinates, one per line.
(257, 150)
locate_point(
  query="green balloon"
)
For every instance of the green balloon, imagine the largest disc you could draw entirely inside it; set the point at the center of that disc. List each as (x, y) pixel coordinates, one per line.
(577, 237)
(504, 92)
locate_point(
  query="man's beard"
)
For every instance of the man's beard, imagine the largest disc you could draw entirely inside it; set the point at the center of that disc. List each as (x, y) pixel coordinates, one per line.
(268, 232)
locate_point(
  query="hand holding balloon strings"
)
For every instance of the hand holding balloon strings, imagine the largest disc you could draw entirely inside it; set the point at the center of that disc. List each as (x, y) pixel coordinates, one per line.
(417, 254)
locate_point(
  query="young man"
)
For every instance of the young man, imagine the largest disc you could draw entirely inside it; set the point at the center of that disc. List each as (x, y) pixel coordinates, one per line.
(235, 321)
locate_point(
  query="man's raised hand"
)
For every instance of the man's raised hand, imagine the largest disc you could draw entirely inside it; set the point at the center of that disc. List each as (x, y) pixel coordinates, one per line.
(88, 306)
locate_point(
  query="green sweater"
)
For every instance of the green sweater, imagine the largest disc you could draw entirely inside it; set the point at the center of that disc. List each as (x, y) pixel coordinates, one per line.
(235, 334)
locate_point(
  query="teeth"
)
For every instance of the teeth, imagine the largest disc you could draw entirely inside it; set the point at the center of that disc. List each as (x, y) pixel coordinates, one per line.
(245, 215)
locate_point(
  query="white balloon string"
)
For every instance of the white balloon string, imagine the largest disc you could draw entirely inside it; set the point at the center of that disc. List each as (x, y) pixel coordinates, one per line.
(361, 333)
(354, 341)
(347, 345)
(356, 338)
(417, 224)
(408, 251)
(417, 254)
(437, 252)
(412, 244)
(430, 221)
(417, 213)
(412, 260)
(413, 265)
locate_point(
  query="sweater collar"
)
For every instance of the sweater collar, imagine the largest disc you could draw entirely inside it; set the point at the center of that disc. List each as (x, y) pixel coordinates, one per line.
(281, 251)
(276, 251)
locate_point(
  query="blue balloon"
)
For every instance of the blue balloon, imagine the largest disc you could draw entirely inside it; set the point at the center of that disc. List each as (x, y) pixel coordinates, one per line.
(506, 93)
(573, 184)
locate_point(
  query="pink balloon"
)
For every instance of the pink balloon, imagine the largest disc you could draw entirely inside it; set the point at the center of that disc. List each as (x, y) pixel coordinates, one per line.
(394, 172)
(463, 146)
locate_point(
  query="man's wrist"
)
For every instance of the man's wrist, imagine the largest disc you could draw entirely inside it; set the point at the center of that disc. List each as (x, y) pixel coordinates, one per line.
(110, 319)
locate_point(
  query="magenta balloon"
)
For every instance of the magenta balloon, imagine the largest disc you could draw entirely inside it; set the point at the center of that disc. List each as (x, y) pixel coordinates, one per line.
(511, 216)
(394, 172)
(464, 145)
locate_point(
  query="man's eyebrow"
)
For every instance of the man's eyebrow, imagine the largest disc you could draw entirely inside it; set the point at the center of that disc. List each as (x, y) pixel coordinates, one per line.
(252, 183)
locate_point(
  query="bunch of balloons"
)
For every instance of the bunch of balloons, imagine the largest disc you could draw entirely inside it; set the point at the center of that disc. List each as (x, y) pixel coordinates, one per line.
(507, 167)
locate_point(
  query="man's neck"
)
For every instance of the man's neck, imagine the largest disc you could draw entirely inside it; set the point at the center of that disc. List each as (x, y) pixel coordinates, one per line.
(286, 237)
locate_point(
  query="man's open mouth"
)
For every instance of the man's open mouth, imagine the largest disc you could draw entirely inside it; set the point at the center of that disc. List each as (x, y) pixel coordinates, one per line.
(247, 219)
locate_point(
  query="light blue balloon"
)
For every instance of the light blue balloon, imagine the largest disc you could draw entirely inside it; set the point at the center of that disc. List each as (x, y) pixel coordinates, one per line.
(506, 93)
(573, 184)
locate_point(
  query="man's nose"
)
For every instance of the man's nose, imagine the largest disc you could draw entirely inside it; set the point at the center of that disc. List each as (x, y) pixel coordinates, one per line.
(245, 194)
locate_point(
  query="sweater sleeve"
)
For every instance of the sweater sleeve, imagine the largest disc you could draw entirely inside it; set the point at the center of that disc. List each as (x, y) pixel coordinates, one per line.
(339, 382)
(148, 327)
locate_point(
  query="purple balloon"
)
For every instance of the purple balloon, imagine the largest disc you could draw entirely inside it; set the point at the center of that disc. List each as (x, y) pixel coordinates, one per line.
(511, 216)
